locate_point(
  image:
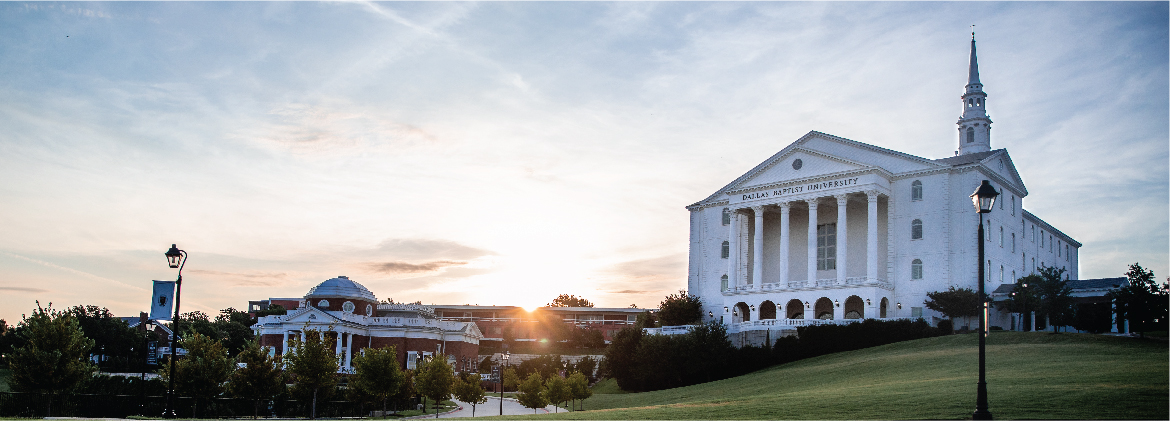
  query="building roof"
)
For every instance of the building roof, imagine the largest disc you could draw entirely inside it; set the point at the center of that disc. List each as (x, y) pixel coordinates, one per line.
(342, 287)
(1100, 283)
(970, 158)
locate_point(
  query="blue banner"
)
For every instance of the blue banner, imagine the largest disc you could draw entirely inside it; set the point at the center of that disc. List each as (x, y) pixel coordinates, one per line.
(160, 303)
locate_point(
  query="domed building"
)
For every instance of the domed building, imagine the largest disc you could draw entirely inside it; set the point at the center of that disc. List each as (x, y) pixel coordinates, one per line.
(351, 316)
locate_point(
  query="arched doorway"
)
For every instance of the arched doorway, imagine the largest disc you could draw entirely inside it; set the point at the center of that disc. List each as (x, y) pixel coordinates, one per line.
(824, 309)
(884, 305)
(795, 309)
(767, 310)
(741, 313)
(854, 307)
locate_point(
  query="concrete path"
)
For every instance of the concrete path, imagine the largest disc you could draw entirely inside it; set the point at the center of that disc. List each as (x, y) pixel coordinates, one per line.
(492, 408)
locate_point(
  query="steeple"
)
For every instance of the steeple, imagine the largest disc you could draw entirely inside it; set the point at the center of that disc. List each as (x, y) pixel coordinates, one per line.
(974, 124)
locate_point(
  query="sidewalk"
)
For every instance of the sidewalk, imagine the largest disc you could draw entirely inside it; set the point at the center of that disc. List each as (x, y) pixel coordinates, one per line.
(489, 409)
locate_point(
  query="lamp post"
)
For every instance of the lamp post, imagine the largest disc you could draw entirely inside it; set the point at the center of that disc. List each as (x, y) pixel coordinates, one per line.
(983, 199)
(175, 259)
(506, 356)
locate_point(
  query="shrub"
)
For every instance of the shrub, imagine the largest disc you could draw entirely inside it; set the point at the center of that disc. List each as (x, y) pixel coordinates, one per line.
(946, 327)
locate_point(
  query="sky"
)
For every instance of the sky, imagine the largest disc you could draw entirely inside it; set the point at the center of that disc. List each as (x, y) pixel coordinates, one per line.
(504, 153)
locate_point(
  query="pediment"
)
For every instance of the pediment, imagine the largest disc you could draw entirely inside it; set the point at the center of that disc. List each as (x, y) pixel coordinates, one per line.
(797, 163)
(310, 315)
(1001, 164)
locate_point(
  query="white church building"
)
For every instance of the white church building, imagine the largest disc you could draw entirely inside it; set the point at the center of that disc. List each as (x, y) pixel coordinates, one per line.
(830, 230)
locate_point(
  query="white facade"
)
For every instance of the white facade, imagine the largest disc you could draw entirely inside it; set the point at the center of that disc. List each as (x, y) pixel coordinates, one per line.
(831, 228)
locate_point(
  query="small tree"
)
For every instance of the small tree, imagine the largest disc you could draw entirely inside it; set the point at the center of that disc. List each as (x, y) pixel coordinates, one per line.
(470, 390)
(645, 319)
(587, 366)
(680, 309)
(1023, 300)
(1143, 303)
(435, 379)
(556, 391)
(313, 366)
(962, 302)
(532, 393)
(511, 379)
(1056, 302)
(376, 372)
(579, 388)
(566, 300)
(53, 357)
(259, 379)
(203, 373)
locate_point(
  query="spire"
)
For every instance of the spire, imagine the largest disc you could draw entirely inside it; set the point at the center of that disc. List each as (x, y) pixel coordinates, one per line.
(974, 124)
(974, 77)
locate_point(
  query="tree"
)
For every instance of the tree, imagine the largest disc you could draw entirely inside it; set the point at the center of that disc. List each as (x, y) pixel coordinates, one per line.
(203, 373)
(532, 392)
(113, 339)
(579, 388)
(566, 300)
(645, 319)
(680, 309)
(619, 362)
(586, 366)
(259, 379)
(556, 391)
(312, 365)
(1056, 302)
(1023, 300)
(470, 390)
(953, 303)
(376, 371)
(53, 357)
(233, 328)
(511, 379)
(1142, 303)
(435, 379)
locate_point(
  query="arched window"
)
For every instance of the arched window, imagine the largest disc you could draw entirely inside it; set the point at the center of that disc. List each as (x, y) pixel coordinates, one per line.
(916, 229)
(970, 135)
(916, 269)
(884, 305)
(723, 283)
(916, 190)
(726, 249)
(1001, 235)
(726, 216)
(1013, 242)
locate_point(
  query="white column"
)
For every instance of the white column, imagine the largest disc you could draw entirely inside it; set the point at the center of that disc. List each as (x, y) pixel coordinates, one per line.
(758, 248)
(812, 242)
(302, 336)
(785, 209)
(1116, 320)
(733, 252)
(348, 350)
(871, 243)
(284, 344)
(337, 346)
(842, 237)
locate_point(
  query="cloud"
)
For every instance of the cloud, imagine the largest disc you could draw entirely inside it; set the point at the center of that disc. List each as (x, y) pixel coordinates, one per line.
(251, 279)
(669, 266)
(404, 267)
(631, 291)
(424, 249)
(23, 289)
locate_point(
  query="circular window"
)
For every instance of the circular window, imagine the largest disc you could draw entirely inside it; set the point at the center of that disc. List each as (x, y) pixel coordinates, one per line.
(348, 307)
(797, 164)
(369, 310)
(323, 303)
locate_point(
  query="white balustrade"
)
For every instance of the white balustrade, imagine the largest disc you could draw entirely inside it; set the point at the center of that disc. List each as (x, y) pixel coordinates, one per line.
(856, 281)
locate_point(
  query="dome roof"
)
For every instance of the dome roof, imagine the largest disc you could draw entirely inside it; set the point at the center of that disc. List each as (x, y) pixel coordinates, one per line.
(341, 287)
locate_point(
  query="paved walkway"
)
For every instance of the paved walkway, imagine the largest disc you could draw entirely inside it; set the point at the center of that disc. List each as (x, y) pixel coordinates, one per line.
(491, 408)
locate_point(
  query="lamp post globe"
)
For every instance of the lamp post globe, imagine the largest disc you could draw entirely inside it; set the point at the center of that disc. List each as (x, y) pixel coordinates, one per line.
(984, 200)
(175, 259)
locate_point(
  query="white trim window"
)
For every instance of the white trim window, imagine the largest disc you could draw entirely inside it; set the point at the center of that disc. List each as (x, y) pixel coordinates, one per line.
(1001, 235)
(916, 191)
(916, 229)
(916, 269)
(726, 216)
(1013, 242)
(726, 250)
(827, 246)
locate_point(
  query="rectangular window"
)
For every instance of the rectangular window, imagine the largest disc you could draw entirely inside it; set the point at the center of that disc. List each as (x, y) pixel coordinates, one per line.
(1058, 250)
(1013, 205)
(1001, 235)
(827, 247)
(1013, 242)
(987, 272)
(1050, 244)
(1066, 258)
(1042, 239)
(1033, 233)
(1001, 274)
(917, 311)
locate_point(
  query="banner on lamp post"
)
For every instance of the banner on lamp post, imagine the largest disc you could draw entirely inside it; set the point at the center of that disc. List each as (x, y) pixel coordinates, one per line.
(161, 301)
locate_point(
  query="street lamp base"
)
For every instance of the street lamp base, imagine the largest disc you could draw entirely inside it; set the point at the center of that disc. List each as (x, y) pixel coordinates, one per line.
(981, 414)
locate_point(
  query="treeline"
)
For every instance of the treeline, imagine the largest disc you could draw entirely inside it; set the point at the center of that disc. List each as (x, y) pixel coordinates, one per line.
(643, 362)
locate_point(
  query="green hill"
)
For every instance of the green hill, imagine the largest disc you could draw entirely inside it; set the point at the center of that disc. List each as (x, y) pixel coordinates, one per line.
(1029, 375)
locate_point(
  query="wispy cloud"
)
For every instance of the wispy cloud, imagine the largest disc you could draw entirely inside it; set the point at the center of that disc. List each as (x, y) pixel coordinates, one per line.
(22, 289)
(394, 268)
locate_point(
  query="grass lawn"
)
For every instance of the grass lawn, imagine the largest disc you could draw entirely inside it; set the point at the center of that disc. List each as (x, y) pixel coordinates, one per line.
(1029, 376)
